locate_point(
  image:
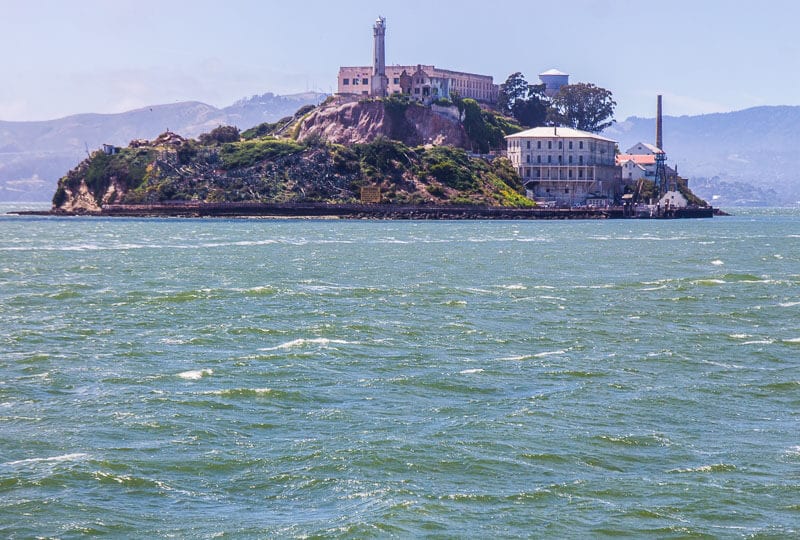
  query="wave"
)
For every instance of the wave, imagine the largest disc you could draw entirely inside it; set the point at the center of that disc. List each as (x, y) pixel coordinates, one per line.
(196, 374)
(521, 357)
(55, 459)
(302, 342)
(241, 392)
(717, 467)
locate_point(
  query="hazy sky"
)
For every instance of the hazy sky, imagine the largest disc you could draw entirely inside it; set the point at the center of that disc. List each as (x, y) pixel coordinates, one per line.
(62, 57)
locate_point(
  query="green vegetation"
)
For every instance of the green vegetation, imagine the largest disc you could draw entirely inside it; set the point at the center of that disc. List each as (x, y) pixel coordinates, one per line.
(525, 102)
(220, 135)
(451, 166)
(266, 129)
(248, 153)
(683, 188)
(581, 106)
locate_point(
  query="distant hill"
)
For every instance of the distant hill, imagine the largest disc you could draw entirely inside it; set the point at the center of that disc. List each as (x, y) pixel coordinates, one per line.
(742, 157)
(34, 155)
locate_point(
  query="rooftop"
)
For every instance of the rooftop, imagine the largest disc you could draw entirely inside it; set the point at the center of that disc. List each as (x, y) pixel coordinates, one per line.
(558, 132)
(553, 72)
(639, 159)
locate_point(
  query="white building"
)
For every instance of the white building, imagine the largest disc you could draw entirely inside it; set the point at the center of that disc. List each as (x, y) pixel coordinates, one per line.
(565, 166)
(639, 161)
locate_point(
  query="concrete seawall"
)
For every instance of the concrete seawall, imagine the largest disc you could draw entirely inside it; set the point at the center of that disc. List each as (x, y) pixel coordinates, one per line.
(362, 211)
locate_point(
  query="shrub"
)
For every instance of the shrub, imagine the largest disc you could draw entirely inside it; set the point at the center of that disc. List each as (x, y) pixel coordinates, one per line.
(248, 153)
(220, 135)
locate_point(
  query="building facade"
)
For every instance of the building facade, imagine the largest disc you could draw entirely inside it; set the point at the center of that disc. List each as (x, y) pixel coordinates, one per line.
(565, 166)
(421, 82)
(639, 162)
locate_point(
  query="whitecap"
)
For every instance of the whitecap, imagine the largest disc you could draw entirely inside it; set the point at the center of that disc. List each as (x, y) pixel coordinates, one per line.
(324, 342)
(792, 340)
(717, 262)
(516, 358)
(739, 336)
(471, 371)
(789, 304)
(548, 353)
(54, 459)
(195, 374)
(759, 342)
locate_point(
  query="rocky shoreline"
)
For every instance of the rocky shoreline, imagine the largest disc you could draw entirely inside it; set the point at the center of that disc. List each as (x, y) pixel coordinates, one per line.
(357, 211)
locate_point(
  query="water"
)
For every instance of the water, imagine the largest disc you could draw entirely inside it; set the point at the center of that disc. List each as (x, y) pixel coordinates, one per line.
(259, 378)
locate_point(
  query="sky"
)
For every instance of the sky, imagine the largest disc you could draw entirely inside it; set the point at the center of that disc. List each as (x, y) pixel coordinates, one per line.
(67, 57)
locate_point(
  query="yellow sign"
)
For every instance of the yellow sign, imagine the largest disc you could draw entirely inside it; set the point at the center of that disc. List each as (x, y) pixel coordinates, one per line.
(371, 195)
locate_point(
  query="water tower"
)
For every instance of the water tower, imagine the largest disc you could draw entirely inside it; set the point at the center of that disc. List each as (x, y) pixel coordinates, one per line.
(553, 80)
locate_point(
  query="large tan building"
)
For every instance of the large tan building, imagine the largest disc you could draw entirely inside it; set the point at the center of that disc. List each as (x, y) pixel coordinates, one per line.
(565, 166)
(421, 82)
(424, 83)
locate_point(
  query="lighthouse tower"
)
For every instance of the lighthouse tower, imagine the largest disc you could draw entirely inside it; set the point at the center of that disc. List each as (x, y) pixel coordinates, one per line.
(379, 80)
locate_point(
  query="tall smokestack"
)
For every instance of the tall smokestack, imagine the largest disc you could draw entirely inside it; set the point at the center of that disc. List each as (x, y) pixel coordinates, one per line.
(659, 126)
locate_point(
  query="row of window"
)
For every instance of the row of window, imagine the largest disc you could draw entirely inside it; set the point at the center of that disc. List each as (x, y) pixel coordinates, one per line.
(550, 159)
(346, 82)
(538, 174)
(550, 145)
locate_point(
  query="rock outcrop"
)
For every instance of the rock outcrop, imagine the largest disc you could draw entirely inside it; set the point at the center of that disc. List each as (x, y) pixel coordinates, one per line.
(357, 122)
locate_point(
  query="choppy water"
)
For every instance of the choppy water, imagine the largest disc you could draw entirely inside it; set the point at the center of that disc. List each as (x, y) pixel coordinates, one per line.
(257, 378)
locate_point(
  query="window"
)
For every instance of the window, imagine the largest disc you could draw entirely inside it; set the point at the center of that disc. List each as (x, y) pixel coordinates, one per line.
(570, 158)
(560, 159)
(365, 81)
(538, 159)
(549, 145)
(346, 82)
(416, 90)
(570, 147)
(580, 173)
(566, 190)
(580, 145)
(539, 145)
(570, 173)
(549, 159)
(529, 145)
(580, 160)
(396, 80)
(560, 145)
(528, 158)
(355, 81)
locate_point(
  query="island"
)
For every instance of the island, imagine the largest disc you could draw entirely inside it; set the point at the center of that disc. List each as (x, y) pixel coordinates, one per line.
(349, 157)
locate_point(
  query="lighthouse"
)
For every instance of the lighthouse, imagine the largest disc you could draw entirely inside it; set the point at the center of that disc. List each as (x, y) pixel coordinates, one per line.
(379, 80)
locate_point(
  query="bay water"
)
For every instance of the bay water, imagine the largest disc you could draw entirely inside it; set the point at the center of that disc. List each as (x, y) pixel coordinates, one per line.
(254, 378)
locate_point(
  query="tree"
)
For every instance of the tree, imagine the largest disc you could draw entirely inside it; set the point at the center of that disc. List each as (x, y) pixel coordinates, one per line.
(532, 110)
(220, 134)
(583, 106)
(515, 88)
(525, 102)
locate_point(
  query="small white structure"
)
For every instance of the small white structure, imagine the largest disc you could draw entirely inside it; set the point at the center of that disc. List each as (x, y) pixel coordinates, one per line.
(631, 170)
(553, 80)
(565, 166)
(644, 149)
(673, 199)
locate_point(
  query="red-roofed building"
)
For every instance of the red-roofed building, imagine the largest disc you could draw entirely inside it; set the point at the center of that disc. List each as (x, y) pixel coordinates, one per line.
(640, 162)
